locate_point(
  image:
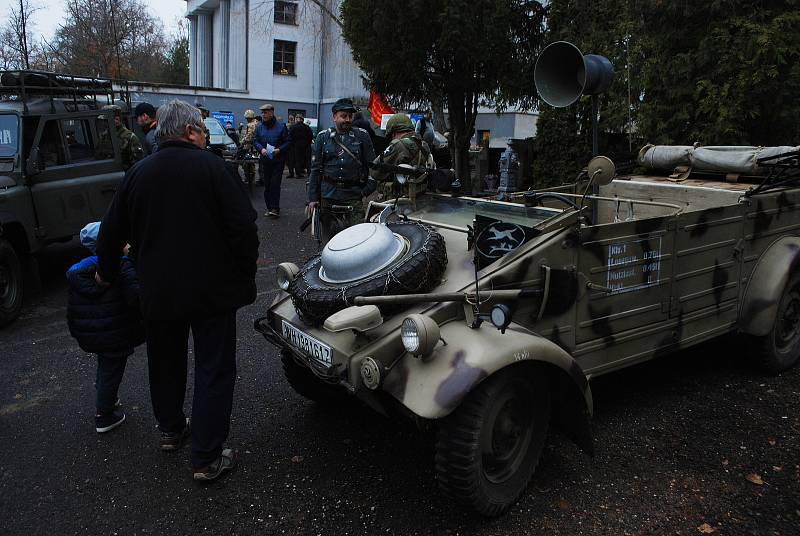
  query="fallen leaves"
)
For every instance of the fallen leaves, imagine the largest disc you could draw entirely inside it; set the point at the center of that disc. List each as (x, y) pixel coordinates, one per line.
(755, 479)
(297, 459)
(705, 528)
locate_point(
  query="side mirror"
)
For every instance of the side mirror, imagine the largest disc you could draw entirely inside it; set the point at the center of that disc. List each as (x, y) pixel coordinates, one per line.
(33, 165)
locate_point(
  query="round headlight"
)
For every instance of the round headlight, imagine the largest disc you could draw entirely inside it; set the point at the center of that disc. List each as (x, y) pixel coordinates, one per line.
(400, 178)
(285, 274)
(419, 334)
(232, 147)
(410, 335)
(500, 316)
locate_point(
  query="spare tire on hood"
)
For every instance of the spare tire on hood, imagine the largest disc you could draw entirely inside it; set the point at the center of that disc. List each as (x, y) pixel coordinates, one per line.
(417, 269)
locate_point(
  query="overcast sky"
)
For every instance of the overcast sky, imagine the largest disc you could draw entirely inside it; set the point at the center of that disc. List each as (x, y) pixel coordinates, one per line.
(51, 15)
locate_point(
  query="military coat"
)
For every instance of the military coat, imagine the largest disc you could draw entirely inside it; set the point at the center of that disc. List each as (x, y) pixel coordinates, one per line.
(339, 164)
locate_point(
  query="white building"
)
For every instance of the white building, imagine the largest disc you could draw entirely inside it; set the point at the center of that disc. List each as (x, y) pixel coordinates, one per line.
(247, 52)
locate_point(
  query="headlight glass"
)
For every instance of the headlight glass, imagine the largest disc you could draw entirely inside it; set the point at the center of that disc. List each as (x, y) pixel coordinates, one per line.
(410, 335)
(232, 147)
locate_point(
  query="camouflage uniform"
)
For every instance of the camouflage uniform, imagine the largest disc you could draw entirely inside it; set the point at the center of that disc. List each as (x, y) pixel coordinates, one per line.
(247, 143)
(407, 149)
(130, 147)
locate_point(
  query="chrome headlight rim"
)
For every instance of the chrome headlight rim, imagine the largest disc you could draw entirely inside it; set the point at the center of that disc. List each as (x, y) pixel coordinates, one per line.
(285, 273)
(419, 334)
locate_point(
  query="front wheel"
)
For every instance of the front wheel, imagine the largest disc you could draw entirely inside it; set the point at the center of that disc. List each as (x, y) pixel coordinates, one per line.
(487, 450)
(11, 283)
(779, 349)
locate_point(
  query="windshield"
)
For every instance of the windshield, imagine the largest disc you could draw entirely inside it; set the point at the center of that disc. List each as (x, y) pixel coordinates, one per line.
(460, 212)
(214, 128)
(9, 135)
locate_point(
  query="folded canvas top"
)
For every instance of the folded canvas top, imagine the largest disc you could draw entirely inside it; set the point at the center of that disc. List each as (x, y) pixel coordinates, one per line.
(721, 158)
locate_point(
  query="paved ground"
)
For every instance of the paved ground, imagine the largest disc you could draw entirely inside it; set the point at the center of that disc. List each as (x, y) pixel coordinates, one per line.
(676, 441)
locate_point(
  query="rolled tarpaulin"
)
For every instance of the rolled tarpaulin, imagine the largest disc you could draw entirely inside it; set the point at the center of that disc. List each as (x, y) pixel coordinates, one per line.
(721, 158)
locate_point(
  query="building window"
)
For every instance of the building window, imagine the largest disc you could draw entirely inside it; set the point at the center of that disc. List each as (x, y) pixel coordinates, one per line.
(283, 57)
(286, 12)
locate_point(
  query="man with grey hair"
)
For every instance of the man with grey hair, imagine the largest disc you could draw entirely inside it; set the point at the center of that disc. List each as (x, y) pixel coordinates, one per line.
(192, 228)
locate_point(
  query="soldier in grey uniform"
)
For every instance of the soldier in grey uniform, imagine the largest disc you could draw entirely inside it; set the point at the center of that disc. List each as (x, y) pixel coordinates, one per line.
(340, 172)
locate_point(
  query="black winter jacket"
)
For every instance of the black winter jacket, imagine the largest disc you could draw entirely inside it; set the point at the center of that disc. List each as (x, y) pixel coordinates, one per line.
(104, 320)
(193, 228)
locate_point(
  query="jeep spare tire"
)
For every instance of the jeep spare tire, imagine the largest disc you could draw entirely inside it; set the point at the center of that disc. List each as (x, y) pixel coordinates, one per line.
(369, 259)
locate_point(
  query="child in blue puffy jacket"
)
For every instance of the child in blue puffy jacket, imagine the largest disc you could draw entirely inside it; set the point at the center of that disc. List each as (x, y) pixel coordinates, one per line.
(105, 320)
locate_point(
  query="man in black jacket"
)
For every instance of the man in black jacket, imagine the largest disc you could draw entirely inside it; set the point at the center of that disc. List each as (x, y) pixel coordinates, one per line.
(302, 138)
(193, 230)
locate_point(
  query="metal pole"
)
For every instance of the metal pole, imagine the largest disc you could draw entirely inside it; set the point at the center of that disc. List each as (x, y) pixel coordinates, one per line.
(595, 152)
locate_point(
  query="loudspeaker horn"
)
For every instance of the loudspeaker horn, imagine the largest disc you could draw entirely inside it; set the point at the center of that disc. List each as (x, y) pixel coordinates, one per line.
(563, 73)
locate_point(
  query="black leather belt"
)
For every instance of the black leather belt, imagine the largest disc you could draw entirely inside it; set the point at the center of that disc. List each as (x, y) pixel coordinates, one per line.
(340, 184)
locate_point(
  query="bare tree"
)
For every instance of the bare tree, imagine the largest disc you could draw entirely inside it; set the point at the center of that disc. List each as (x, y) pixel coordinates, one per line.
(117, 38)
(17, 46)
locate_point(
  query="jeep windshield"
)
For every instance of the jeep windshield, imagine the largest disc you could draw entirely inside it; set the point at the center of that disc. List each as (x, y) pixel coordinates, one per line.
(9, 135)
(459, 212)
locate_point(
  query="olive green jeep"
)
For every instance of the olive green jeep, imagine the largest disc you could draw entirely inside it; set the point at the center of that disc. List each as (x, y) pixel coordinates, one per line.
(59, 168)
(487, 320)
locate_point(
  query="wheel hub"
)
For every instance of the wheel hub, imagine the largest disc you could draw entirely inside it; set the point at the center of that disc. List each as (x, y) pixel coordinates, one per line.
(4, 281)
(790, 321)
(507, 436)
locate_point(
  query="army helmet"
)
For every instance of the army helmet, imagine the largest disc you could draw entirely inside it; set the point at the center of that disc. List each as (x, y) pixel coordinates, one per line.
(398, 123)
(249, 114)
(109, 111)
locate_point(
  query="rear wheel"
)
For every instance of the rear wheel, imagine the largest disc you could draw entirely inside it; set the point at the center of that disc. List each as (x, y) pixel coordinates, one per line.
(488, 449)
(10, 283)
(779, 350)
(306, 384)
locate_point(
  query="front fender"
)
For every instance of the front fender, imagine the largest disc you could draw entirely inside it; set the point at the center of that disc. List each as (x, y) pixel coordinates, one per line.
(433, 387)
(766, 284)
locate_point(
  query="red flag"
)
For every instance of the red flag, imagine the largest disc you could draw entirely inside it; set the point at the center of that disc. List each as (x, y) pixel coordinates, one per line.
(378, 106)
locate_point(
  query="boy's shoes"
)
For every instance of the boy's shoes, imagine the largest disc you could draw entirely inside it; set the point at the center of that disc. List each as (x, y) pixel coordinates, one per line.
(289, 176)
(273, 213)
(106, 422)
(226, 462)
(171, 441)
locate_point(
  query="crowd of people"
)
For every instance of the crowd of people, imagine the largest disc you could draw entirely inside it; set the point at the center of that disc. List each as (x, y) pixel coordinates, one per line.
(179, 207)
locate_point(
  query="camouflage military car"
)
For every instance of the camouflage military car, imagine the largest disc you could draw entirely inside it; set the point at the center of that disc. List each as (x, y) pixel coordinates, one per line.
(535, 300)
(59, 169)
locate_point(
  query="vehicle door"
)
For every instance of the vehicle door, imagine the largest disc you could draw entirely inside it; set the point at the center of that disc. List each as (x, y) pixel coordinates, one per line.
(625, 273)
(80, 170)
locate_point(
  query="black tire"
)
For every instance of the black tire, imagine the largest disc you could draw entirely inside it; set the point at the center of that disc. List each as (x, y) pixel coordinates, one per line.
(11, 284)
(418, 271)
(307, 385)
(487, 450)
(779, 350)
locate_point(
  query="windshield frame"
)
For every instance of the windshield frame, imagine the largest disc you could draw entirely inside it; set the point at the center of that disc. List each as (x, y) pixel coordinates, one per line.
(544, 213)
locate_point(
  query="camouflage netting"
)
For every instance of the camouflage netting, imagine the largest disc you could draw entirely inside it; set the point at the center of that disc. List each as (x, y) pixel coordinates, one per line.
(419, 270)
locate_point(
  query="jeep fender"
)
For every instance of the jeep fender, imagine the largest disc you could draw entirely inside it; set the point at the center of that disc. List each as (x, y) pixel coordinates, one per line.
(435, 386)
(765, 287)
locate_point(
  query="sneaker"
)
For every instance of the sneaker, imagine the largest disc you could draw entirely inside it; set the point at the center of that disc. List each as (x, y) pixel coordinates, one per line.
(289, 176)
(109, 421)
(226, 462)
(273, 213)
(171, 441)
